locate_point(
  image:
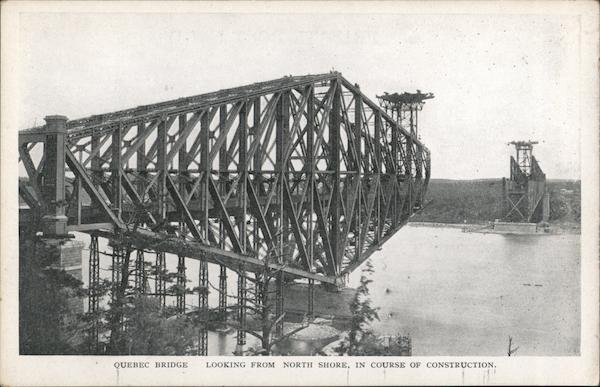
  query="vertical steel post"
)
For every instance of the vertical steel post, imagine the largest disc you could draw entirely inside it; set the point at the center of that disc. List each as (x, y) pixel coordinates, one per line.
(256, 168)
(141, 159)
(378, 171)
(285, 176)
(115, 169)
(243, 174)
(282, 122)
(310, 162)
(182, 167)
(411, 162)
(242, 225)
(281, 137)
(418, 162)
(77, 192)
(334, 146)
(417, 121)
(205, 168)
(94, 265)
(161, 165)
(55, 220)
(395, 196)
(358, 127)
(182, 162)
(95, 162)
(223, 176)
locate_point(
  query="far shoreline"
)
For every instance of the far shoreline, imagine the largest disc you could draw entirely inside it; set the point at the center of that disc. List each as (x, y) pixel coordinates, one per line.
(556, 228)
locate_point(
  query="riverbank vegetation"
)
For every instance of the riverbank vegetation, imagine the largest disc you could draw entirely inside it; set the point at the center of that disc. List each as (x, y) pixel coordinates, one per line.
(480, 201)
(360, 339)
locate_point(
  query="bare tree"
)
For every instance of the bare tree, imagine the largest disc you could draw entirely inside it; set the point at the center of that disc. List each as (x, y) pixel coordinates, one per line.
(510, 349)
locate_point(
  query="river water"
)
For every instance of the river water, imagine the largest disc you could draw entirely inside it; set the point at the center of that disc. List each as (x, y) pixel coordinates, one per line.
(458, 293)
(461, 293)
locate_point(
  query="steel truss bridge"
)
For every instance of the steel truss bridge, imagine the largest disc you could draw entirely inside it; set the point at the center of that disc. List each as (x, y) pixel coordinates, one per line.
(525, 193)
(304, 166)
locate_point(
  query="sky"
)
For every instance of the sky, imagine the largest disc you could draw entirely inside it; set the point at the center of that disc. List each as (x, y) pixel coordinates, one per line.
(496, 78)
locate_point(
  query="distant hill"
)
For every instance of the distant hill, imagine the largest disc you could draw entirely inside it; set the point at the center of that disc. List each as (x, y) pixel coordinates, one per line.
(480, 201)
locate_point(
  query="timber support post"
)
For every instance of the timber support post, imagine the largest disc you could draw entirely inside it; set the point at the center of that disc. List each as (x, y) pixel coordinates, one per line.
(203, 308)
(181, 284)
(117, 261)
(159, 281)
(222, 292)
(279, 302)
(93, 294)
(241, 311)
(140, 272)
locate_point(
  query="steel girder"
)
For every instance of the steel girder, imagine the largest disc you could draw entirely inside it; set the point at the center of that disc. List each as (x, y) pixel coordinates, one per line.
(306, 166)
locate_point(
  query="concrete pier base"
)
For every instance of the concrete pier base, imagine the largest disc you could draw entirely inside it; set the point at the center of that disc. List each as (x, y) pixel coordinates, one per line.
(70, 256)
(70, 260)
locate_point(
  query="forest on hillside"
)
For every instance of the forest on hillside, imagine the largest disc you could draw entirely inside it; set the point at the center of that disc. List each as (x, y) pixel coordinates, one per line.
(480, 201)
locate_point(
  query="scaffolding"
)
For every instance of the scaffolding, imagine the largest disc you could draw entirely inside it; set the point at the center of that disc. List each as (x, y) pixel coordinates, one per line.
(181, 284)
(94, 294)
(160, 289)
(203, 311)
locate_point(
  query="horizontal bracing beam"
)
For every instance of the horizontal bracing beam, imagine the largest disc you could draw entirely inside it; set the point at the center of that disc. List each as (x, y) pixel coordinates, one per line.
(146, 239)
(99, 125)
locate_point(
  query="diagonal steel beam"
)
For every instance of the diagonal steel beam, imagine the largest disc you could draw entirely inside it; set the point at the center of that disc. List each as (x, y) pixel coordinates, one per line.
(260, 215)
(321, 222)
(187, 216)
(139, 141)
(352, 197)
(96, 150)
(183, 135)
(135, 198)
(229, 227)
(293, 217)
(90, 188)
(233, 115)
(195, 148)
(31, 199)
(32, 174)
